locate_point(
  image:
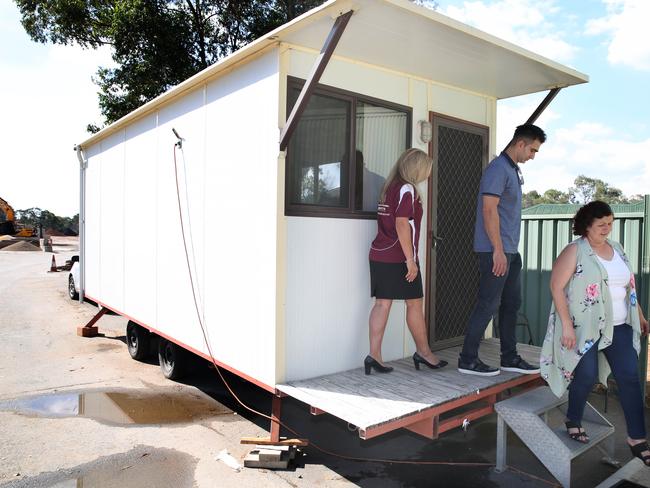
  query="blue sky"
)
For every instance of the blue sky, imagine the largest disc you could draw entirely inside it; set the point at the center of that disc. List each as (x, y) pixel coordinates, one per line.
(600, 129)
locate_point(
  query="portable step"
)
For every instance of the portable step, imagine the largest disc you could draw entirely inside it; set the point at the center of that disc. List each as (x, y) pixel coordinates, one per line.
(528, 416)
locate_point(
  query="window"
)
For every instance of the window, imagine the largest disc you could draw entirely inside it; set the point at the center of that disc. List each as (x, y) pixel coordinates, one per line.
(322, 178)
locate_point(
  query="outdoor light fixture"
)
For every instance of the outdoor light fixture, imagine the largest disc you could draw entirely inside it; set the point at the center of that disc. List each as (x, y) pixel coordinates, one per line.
(425, 131)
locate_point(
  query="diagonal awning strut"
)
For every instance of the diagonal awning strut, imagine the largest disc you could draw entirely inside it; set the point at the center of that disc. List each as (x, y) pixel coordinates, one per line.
(314, 77)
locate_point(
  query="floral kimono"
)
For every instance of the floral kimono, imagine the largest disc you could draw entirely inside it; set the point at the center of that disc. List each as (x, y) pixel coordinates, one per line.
(588, 297)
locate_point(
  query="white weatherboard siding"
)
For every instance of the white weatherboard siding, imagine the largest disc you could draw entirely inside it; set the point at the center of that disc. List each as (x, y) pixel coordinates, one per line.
(241, 214)
(350, 76)
(328, 283)
(459, 104)
(92, 266)
(328, 297)
(227, 177)
(175, 311)
(111, 187)
(140, 223)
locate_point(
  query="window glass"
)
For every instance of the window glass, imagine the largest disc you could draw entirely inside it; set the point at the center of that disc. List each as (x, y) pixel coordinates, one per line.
(341, 152)
(318, 173)
(380, 139)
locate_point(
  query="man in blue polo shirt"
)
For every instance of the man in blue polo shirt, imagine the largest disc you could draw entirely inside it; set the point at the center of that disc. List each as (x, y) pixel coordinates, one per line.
(496, 242)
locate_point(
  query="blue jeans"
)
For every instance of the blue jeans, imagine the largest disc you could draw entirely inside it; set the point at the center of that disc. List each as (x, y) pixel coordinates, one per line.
(623, 360)
(500, 294)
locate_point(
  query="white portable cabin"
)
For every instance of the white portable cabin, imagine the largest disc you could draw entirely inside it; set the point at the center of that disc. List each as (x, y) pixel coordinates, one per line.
(277, 240)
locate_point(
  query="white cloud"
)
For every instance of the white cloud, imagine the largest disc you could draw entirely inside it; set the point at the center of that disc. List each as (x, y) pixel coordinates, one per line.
(521, 22)
(513, 112)
(629, 36)
(48, 98)
(594, 150)
(589, 148)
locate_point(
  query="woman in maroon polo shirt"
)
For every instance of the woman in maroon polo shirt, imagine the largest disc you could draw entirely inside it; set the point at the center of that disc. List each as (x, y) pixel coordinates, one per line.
(394, 268)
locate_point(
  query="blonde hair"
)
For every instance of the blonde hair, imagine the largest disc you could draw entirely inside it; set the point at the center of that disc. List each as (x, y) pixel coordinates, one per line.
(412, 167)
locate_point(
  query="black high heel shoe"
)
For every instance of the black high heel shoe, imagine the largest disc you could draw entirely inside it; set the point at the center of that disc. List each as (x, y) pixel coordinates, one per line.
(417, 360)
(371, 363)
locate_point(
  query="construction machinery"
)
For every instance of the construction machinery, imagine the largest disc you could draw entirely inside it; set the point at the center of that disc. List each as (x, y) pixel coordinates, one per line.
(8, 225)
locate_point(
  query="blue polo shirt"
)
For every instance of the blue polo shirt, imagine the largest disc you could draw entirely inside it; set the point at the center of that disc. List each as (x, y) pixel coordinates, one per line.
(500, 179)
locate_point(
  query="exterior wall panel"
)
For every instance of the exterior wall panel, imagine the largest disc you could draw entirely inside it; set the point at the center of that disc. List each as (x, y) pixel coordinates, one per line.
(227, 183)
(176, 310)
(140, 223)
(112, 220)
(327, 290)
(92, 268)
(241, 214)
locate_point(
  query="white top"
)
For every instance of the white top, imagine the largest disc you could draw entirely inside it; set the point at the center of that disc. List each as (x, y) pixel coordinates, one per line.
(618, 277)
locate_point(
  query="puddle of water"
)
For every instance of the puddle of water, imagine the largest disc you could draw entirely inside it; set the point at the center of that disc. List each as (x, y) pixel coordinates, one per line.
(120, 407)
(138, 468)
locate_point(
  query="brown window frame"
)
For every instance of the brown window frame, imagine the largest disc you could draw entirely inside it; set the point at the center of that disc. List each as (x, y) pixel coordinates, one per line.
(349, 212)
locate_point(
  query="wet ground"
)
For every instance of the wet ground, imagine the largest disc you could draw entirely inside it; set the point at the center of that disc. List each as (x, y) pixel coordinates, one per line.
(141, 467)
(121, 407)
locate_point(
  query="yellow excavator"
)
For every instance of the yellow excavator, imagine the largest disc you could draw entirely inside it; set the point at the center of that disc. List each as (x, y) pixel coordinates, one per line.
(8, 222)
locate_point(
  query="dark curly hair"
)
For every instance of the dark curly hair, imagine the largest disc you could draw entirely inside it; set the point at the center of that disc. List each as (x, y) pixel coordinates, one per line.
(587, 214)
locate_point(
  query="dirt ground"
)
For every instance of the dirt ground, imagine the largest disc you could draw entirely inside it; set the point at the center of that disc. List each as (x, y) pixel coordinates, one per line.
(79, 412)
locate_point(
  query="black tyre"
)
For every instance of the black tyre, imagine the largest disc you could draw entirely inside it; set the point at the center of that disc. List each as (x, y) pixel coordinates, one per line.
(72, 289)
(172, 359)
(137, 341)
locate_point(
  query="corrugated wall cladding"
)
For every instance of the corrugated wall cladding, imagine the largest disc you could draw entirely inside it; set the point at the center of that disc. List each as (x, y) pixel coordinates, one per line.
(546, 229)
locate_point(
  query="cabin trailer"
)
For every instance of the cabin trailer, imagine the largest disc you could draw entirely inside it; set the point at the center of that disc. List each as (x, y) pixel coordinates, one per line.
(233, 214)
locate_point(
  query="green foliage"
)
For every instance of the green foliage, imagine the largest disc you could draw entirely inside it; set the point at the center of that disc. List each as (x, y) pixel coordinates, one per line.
(585, 190)
(36, 218)
(550, 196)
(156, 44)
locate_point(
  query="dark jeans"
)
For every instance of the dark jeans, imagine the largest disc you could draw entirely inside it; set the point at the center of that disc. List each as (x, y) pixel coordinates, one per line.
(500, 294)
(623, 360)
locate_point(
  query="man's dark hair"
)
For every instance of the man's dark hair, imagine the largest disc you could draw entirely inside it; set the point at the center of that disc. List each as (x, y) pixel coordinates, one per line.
(529, 132)
(586, 215)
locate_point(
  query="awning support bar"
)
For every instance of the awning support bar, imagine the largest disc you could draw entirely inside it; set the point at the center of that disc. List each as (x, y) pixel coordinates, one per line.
(542, 106)
(314, 77)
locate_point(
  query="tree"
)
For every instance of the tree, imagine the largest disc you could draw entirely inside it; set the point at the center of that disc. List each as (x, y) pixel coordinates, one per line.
(44, 219)
(587, 189)
(530, 198)
(156, 44)
(550, 196)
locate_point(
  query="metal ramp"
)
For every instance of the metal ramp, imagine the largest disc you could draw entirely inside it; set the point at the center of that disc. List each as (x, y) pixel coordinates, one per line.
(528, 416)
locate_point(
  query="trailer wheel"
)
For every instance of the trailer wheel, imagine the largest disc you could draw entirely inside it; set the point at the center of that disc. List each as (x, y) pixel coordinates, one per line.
(172, 359)
(137, 341)
(72, 289)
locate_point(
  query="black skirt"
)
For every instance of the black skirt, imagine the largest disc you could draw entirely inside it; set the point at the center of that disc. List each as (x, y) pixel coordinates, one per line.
(388, 280)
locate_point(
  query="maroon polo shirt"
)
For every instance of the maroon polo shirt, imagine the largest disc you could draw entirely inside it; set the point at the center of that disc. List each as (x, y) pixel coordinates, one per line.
(400, 201)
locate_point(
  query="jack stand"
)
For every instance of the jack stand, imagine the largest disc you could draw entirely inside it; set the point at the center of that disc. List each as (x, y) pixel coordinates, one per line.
(90, 329)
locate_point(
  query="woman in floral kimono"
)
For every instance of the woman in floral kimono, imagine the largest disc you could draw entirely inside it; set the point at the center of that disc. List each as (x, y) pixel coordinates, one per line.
(595, 325)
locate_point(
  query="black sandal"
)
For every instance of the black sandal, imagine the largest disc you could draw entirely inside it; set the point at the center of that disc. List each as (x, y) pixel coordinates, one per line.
(580, 436)
(637, 451)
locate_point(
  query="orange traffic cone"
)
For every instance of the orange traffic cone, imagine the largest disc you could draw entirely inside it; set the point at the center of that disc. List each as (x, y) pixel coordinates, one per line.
(53, 265)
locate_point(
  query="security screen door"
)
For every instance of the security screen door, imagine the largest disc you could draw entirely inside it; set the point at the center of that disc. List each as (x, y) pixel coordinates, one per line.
(460, 152)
